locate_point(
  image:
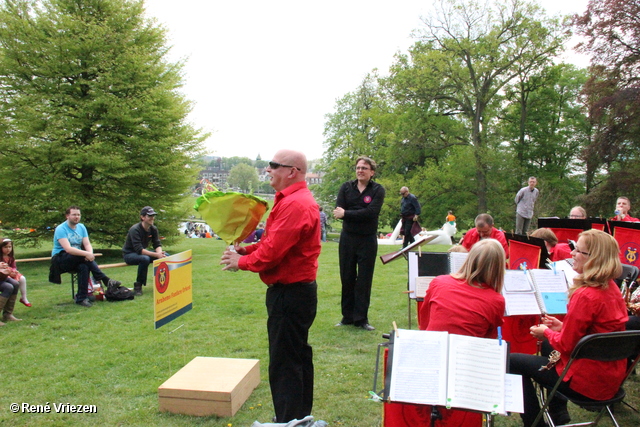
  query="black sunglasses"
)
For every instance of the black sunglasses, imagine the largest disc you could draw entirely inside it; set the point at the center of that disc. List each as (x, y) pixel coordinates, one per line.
(276, 165)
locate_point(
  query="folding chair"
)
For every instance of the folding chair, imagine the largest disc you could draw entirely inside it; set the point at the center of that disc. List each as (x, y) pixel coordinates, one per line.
(604, 347)
(630, 273)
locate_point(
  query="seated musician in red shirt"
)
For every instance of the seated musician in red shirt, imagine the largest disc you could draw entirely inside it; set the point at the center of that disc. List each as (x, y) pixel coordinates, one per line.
(623, 206)
(557, 251)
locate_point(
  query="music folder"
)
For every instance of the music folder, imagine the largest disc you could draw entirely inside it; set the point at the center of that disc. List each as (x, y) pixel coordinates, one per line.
(454, 371)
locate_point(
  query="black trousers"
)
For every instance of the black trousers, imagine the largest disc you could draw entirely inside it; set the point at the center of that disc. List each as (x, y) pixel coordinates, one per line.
(528, 366)
(407, 223)
(292, 310)
(357, 255)
(67, 263)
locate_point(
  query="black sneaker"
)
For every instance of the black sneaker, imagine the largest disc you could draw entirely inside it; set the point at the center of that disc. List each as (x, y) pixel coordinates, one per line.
(85, 303)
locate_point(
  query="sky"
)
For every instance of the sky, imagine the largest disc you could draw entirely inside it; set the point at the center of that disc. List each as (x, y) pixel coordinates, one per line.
(262, 75)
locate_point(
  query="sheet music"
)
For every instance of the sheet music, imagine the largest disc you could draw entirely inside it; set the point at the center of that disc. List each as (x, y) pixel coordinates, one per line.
(422, 285)
(477, 369)
(549, 281)
(519, 294)
(517, 281)
(456, 259)
(564, 265)
(419, 367)
(513, 400)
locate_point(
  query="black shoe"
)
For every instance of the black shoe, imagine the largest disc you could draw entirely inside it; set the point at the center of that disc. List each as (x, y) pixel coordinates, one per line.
(366, 327)
(85, 303)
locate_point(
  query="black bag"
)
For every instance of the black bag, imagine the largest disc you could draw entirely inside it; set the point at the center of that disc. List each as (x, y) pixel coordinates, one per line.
(118, 293)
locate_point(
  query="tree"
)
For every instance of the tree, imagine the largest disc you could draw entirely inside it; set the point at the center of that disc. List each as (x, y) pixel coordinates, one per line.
(90, 116)
(244, 177)
(473, 52)
(612, 32)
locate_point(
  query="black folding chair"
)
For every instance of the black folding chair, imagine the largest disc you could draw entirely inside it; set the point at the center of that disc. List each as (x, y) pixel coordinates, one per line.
(629, 273)
(604, 347)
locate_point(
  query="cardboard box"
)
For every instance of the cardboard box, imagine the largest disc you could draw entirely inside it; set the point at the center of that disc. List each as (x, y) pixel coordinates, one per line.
(210, 386)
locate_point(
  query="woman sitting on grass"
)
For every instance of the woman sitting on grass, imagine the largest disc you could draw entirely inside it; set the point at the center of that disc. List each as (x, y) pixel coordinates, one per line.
(595, 306)
(8, 256)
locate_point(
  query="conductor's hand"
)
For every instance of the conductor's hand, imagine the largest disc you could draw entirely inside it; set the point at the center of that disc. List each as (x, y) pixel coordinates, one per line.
(230, 260)
(552, 323)
(338, 213)
(240, 249)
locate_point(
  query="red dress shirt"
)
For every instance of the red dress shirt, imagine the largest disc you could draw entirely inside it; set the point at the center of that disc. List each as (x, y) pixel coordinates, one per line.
(590, 311)
(289, 249)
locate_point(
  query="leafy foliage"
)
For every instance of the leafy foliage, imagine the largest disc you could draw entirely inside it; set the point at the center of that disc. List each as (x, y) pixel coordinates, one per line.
(90, 116)
(244, 177)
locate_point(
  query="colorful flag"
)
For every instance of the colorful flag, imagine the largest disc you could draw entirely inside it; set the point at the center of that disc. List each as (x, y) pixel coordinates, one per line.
(232, 216)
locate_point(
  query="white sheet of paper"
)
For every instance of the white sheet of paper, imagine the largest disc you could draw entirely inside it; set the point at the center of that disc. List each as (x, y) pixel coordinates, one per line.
(513, 400)
(419, 367)
(477, 369)
(422, 285)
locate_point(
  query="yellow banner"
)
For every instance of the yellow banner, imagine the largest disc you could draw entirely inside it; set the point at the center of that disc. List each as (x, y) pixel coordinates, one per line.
(172, 293)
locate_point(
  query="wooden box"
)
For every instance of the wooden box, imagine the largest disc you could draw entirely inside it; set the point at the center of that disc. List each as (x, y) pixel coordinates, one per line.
(210, 386)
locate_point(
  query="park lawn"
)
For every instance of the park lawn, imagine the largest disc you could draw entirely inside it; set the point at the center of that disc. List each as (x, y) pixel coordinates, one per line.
(111, 356)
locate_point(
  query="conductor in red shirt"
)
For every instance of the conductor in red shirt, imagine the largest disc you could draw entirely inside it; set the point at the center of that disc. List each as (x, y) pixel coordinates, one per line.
(286, 258)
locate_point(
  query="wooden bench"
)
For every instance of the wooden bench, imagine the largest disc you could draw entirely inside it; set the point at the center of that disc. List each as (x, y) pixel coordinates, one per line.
(74, 274)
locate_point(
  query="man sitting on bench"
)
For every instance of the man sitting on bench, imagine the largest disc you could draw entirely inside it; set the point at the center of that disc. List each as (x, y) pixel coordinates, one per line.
(135, 250)
(72, 252)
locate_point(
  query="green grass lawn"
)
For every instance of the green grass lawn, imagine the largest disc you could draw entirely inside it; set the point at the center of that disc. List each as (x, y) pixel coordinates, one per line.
(111, 356)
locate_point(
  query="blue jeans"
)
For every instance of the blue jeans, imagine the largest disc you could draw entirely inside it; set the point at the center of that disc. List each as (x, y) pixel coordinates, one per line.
(142, 261)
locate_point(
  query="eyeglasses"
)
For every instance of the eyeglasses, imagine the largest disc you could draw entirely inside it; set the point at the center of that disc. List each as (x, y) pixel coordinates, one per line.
(362, 168)
(580, 252)
(276, 165)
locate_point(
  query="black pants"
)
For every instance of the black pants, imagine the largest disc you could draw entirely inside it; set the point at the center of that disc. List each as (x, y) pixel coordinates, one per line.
(357, 255)
(292, 309)
(407, 224)
(67, 263)
(528, 366)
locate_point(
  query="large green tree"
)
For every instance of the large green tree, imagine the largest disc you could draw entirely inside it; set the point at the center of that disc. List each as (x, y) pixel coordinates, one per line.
(244, 177)
(611, 31)
(473, 51)
(90, 115)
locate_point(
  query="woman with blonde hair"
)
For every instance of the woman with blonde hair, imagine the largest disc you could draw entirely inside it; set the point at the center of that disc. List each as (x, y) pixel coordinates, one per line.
(595, 306)
(469, 303)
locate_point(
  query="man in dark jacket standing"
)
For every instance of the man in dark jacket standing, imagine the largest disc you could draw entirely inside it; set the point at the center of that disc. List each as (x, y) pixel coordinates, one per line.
(135, 250)
(409, 210)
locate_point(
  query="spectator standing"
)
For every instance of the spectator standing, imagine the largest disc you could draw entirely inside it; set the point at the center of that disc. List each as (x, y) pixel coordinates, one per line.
(287, 260)
(409, 211)
(525, 201)
(135, 250)
(358, 206)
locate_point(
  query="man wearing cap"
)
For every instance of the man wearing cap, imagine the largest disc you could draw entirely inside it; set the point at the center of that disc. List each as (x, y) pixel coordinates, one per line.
(135, 250)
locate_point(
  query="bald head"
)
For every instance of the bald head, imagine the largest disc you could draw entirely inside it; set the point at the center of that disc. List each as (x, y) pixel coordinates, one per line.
(289, 167)
(293, 158)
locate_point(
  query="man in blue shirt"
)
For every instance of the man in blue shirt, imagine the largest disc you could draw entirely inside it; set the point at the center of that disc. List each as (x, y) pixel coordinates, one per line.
(72, 251)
